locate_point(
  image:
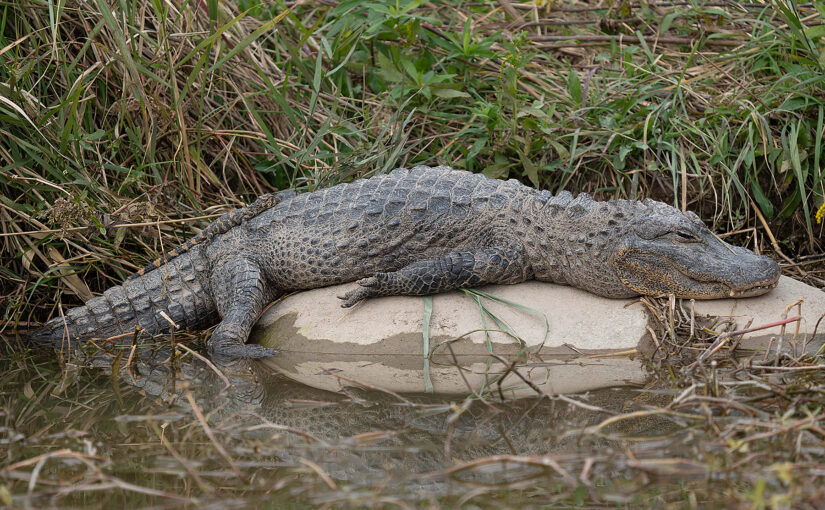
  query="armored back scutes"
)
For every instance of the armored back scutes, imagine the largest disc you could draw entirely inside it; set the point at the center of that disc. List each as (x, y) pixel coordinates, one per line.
(223, 224)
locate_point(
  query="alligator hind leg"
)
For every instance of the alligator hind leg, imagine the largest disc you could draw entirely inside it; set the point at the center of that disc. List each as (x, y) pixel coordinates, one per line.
(240, 295)
(453, 271)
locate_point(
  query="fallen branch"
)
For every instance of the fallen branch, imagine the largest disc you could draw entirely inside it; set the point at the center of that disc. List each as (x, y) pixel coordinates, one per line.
(724, 337)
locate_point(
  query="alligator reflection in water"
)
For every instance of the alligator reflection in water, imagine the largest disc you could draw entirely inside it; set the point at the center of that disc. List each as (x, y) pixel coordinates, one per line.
(366, 434)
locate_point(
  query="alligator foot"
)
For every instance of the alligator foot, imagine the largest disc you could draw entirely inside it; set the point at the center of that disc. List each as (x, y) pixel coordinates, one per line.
(452, 271)
(239, 293)
(367, 287)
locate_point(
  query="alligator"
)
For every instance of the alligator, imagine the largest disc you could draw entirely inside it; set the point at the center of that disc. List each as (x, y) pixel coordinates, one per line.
(416, 232)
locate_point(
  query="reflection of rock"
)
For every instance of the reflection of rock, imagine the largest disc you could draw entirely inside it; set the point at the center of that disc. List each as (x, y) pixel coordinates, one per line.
(591, 342)
(373, 435)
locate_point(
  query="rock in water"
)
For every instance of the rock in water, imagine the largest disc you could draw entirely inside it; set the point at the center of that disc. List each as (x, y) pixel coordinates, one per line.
(568, 341)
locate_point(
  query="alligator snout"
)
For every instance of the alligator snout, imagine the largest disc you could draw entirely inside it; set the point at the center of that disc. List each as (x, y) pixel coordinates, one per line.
(706, 269)
(754, 275)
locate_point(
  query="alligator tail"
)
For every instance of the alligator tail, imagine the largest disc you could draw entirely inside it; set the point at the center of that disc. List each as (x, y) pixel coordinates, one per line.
(171, 296)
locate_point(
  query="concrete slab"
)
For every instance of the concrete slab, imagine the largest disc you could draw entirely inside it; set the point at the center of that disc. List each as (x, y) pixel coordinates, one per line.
(568, 341)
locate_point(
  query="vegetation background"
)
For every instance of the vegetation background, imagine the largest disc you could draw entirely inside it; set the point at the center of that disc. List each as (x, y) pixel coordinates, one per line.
(125, 126)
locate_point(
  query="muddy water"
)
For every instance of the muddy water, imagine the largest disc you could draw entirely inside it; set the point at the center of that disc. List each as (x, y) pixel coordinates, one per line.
(174, 432)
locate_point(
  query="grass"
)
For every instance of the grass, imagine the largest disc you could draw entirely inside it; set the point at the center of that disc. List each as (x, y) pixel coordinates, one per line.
(160, 114)
(126, 126)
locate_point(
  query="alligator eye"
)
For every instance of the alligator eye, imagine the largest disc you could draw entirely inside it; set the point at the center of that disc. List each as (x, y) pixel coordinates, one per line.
(686, 237)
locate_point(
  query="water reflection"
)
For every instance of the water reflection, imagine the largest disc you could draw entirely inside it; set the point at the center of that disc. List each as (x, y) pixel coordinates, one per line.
(178, 425)
(364, 433)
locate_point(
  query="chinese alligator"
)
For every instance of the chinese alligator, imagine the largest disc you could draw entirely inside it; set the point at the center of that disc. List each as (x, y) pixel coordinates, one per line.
(415, 232)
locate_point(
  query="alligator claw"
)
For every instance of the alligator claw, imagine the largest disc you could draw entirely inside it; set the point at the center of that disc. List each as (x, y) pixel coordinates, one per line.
(352, 297)
(367, 287)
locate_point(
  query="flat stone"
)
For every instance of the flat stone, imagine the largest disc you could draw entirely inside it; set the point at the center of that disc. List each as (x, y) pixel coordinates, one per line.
(572, 341)
(568, 341)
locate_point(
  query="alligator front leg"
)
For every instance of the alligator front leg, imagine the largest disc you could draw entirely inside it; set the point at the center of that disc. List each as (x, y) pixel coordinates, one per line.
(453, 271)
(240, 295)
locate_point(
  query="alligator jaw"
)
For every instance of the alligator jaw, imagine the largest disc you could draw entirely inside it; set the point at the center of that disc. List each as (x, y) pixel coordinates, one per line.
(709, 289)
(763, 275)
(756, 290)
(743, 275)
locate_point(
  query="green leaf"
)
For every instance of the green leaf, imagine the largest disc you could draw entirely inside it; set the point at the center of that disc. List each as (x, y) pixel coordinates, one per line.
(535, 112)
(815, 31)
(499, 169)
(790, 204)
(344, 62)
(5, 495)
(530, 170)
(801, 174)
(667, 20)
(477, 147)
(387, 70)
(619, 162)
(574, 86)
(466, 36)
(316, 83)
(409, 66)
(449, 93)
(560, 149)
(239, 47)
(316, 78)
(428, 314)
(120, 39)
(764, 204)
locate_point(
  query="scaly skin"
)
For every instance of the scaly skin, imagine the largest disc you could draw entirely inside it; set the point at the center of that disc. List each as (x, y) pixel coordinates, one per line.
(219, 226)
(417, 232)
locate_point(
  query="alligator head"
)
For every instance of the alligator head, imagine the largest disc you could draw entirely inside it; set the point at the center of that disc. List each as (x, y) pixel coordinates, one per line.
(667, 251)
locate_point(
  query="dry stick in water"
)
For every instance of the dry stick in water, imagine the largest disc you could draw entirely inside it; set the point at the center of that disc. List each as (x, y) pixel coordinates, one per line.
(266, 425)
(798, 303)
(211, 435)
(549, 460)
(466, 382)
(182, 461)
(511, 368)
(724, 337)
(320, 472)
(210, 365)
(813, 335)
